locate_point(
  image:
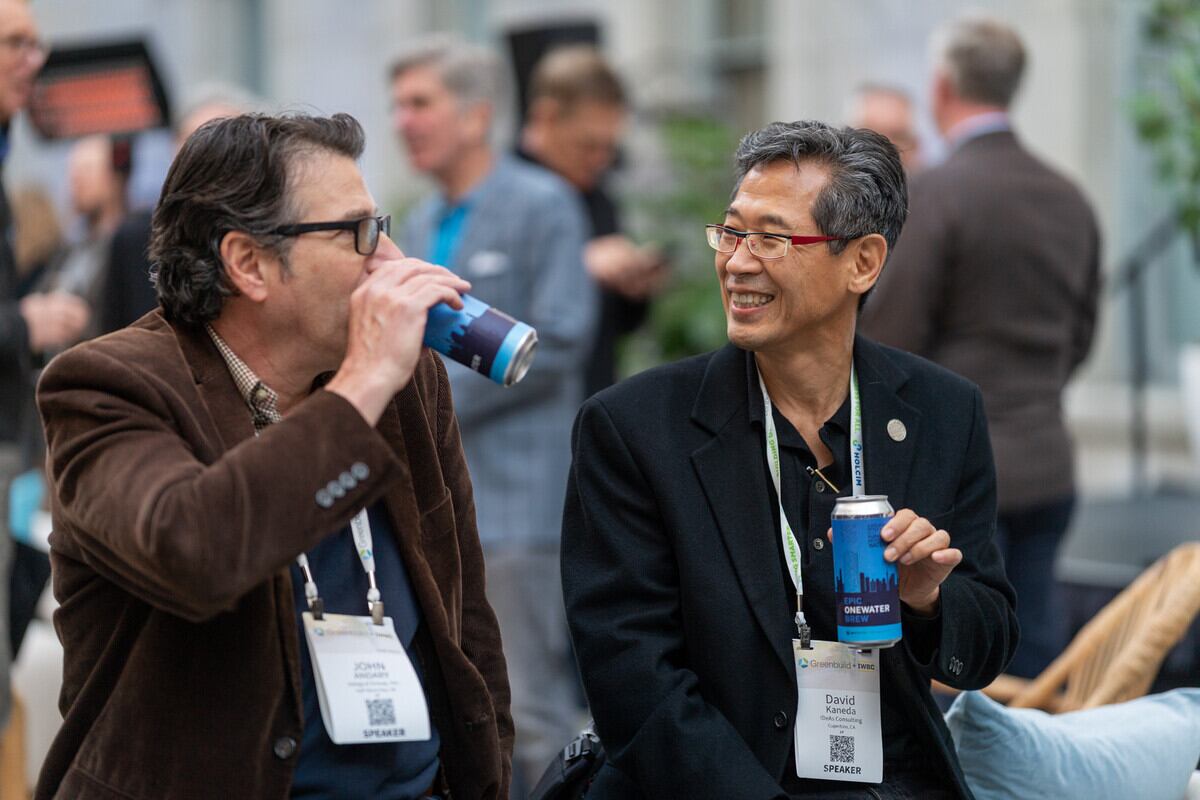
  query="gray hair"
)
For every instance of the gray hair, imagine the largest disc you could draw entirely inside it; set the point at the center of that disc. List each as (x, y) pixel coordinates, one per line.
(982, 57)
(866, 192)
(472, 73)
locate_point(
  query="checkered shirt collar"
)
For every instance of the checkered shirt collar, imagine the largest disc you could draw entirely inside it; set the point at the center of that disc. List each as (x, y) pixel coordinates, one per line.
(260, 398)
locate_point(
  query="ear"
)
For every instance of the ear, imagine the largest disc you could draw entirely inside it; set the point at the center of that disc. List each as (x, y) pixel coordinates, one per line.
(245, 263)
(869, 254)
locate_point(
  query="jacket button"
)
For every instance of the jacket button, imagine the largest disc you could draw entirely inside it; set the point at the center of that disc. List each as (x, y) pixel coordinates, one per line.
(284, 747)
(781, 720)
(818, 543)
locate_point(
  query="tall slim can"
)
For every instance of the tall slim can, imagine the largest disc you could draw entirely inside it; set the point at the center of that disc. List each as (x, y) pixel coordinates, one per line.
(866, 586)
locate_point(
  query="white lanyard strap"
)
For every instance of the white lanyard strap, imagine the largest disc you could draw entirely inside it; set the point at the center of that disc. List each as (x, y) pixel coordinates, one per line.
(791, 549)
(360, 527)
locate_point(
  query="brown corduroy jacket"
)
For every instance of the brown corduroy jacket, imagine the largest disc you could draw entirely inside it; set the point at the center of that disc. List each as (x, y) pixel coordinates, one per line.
(174, 529)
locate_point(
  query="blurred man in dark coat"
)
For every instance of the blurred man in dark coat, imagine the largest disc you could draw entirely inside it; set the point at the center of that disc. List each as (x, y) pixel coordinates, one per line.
(577, 112)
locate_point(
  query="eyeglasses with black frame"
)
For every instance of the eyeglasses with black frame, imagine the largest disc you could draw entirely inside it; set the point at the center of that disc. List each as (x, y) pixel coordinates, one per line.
(366, 230)
(769, 246)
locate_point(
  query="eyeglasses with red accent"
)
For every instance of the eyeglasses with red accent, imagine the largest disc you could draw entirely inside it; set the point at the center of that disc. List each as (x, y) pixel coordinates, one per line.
(763, 245)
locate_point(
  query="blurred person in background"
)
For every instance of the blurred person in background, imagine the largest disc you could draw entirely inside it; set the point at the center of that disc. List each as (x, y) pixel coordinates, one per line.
(29, 324)
(98, 169)
(997, 277)
(128, 293)
(888, 110)
(577, 112)
(517, 232)
(208, 463)
(39, 247)
(38, 239)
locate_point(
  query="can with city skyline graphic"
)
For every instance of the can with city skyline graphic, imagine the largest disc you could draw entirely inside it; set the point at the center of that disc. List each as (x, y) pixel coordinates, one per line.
(482, 338)
(866, 586)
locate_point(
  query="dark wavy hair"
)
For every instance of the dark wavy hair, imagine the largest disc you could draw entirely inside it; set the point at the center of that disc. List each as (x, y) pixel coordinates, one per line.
(232, 174)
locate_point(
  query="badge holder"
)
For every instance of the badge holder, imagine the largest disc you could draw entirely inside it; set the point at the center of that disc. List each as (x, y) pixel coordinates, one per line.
(803, 632)
(373, 601)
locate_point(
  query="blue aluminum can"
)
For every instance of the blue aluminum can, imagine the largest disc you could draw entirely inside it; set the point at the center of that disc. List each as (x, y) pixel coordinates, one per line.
(482, 338)
(866, 587)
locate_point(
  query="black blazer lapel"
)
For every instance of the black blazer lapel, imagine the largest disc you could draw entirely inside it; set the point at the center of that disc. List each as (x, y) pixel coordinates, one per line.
(891, 427)
(731, 472)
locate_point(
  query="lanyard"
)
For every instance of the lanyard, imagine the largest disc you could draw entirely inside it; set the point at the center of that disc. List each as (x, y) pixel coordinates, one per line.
(791, 549)
(360, 526)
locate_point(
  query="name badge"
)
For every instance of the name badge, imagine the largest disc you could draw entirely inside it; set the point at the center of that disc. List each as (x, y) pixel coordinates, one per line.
(838, 735)
(367, 687)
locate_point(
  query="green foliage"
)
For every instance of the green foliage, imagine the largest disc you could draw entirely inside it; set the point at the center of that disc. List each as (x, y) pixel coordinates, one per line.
(1166, 113)
(688, 318)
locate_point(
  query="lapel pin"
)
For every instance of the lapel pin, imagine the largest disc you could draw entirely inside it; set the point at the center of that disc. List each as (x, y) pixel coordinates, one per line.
(896, 430)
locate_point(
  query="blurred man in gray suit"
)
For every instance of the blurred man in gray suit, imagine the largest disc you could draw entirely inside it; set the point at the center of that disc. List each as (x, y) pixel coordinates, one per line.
(996, 276)
(516, 232)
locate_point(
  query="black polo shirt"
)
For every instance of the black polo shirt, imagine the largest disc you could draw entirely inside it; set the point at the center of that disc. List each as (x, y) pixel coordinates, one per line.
(808, 501)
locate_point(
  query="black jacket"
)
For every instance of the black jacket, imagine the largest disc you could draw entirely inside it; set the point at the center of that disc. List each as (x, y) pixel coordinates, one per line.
(15, 365)
(672, 580)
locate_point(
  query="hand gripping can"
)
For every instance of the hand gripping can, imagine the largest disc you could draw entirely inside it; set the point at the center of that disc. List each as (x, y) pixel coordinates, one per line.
(482, 338)
(866, 586)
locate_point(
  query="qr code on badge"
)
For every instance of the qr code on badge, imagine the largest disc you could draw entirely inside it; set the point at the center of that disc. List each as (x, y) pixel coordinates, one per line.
(381, 712)
(841, 748)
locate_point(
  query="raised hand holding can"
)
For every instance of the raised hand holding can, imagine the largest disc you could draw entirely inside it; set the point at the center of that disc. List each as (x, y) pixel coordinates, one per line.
(482, 338)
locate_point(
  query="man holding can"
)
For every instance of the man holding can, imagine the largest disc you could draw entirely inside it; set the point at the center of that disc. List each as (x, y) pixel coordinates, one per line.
(684, 566)
(264, 541)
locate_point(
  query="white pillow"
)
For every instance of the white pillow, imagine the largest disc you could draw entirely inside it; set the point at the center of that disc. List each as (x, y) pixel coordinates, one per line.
(1145, 749)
